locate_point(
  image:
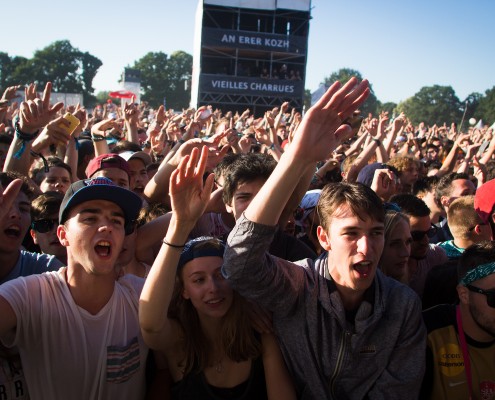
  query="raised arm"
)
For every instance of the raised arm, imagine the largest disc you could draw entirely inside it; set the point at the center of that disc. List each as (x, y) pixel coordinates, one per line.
(319, 133)
(8, 321)
(189, 197)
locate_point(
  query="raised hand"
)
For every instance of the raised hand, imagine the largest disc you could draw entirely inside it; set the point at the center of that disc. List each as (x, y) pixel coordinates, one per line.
(321, 129)
(35, 114)
(189, 195)
(8, 196)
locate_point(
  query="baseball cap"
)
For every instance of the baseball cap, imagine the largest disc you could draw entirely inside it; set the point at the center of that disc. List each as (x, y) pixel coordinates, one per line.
(145, 158)
(484, 200)
(308, 203)
(106, 161)
(101, 189)
(366, 175)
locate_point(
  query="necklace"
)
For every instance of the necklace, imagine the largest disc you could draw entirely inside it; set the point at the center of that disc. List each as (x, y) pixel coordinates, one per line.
(219, 367)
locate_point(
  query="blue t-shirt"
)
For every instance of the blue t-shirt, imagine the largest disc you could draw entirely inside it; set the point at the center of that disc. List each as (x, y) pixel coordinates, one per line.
(32, 263)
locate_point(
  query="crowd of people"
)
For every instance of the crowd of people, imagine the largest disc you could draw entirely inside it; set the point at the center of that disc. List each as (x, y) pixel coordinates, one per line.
(202, 254)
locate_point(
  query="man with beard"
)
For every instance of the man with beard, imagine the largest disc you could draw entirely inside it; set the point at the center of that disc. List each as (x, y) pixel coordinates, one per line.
(461, 338)
(424, 256)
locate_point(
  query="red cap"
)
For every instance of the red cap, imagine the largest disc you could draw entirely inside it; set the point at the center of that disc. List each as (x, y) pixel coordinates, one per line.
(106, 161)
(484, 200)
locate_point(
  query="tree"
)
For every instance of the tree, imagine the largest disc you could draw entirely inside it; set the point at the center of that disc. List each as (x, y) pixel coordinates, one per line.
(69, 69)
(7, 67)
(165, 78)
(433, 105)
(486, 107)
(343, 75)
(389, 107)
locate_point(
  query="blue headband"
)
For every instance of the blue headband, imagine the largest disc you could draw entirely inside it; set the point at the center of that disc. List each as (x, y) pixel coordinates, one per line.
(190, 251)
(480, 272)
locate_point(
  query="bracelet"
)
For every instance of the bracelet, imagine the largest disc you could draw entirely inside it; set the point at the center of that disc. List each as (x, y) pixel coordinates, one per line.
(97, 138)
(272, 146)
(181, 141)
(377, 141)
(24, 138)
(175, 246)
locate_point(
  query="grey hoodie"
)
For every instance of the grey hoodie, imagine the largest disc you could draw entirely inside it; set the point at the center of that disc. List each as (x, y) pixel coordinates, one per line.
(379, 356)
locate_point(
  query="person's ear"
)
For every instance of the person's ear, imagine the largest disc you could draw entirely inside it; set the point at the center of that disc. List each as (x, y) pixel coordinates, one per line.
(444, 201)
(323, 238)
(185, 294)
(62, 235)
(229, 208)
(32, 232)
(463, 293)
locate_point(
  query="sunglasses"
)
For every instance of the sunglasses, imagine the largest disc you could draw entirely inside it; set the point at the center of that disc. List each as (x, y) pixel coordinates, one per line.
(490, 294)
(44, 225)
(419, 235)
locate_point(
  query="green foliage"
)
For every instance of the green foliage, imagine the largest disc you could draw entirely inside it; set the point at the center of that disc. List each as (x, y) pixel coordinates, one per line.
(69, 69)
(102, 97)
(433, 105)
(165, 77)
(343, 75)
(486, 107)
(389, 107)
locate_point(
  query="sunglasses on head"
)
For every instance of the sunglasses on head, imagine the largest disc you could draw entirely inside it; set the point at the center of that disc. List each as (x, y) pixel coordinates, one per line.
(44, 225)
(419, 235)
(490, 294)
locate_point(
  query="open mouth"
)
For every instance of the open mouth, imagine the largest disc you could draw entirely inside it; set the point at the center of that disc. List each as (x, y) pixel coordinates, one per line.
(13, 232)
(215, 302)
(363, 268)
(103, 248)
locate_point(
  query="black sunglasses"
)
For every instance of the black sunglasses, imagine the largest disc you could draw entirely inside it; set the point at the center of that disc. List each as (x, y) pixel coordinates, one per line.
(419, 235)
(44, 225)
(490, 294)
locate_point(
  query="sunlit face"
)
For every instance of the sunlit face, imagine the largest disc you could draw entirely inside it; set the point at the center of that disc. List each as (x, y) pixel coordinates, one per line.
(57, 179)
(209, 292)
(460, 188)
(354, 249)
(138, 175)
(15, 224)
(93, 235)
(396, 251)
(419, 248)
(243, 196)
(409, 175)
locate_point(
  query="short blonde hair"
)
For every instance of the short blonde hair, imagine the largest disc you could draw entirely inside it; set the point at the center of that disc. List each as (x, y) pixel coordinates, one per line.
(462, 217)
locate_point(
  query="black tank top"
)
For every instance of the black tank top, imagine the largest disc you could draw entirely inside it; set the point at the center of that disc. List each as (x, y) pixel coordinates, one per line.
(194, 386)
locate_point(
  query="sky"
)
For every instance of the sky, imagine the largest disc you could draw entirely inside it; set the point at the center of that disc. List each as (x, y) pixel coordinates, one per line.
(399, 46)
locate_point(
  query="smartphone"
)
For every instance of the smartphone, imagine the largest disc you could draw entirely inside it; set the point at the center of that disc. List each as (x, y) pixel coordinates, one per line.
(73, 123)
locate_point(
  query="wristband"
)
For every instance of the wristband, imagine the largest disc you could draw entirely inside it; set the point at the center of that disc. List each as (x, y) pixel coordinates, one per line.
(377, 141)
(174, 246)
(272, 146)
(97, 138)
(24, 138)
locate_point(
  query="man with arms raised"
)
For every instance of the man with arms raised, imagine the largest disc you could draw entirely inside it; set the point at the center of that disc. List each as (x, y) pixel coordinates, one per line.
(77, 329)
(346, 331)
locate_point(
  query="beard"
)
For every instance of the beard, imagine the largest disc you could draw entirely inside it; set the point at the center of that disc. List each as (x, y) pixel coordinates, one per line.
(482, 320)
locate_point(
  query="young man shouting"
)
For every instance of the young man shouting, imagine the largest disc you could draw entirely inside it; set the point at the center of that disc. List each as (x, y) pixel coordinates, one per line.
(77, 329)
(346, 331)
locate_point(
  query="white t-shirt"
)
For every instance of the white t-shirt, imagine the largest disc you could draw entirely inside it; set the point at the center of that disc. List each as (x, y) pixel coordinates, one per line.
(66, 352)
